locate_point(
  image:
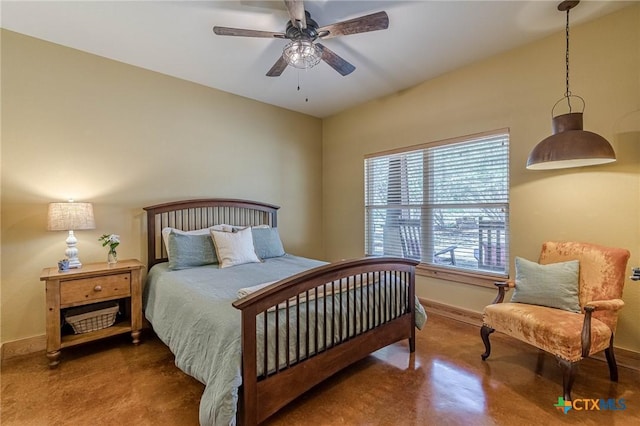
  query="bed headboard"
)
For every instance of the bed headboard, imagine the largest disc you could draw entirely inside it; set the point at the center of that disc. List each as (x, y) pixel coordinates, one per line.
(189, 215)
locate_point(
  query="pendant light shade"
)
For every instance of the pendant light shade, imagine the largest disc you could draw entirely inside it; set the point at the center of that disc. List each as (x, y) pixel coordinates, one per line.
(570, 145)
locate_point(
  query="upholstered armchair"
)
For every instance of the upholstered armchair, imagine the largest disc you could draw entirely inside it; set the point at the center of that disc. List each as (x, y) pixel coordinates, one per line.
(566, 305)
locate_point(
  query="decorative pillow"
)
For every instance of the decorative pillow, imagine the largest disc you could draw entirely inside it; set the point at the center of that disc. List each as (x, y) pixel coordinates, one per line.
(234, 248)
(554, 285)
(204, 231)
(267, 242)
(235, 228)
(189, 250)
(166, 231)
(222, 227)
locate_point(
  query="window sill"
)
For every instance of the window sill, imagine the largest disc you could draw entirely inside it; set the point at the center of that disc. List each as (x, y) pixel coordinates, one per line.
(447, 274)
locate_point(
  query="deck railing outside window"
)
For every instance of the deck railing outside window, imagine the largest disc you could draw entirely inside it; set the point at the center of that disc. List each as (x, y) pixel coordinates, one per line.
(444, 203)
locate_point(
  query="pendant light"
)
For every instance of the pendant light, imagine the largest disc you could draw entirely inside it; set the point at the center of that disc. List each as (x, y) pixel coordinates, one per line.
(570, 145)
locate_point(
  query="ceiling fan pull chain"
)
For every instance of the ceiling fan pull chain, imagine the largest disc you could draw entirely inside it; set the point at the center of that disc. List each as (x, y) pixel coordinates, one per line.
(306, 99)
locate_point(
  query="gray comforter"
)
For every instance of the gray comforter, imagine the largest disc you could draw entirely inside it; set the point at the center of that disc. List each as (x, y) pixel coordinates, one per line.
(191, 312)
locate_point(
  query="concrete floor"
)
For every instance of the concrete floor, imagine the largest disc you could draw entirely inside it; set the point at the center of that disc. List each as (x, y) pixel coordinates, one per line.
(443, 383)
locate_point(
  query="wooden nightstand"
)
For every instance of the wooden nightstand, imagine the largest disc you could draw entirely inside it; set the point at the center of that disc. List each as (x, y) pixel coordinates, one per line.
(93, 283)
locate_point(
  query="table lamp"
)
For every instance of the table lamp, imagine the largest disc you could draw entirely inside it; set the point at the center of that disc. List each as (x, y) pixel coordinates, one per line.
(69, 217)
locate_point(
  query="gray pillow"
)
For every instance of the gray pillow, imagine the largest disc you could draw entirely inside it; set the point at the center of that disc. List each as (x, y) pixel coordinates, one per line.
(554, 285)
(187, 251)
(267, 243)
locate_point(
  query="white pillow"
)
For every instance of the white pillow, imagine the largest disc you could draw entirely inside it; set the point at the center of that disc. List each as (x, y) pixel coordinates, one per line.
(235, 228)
(223, 227)
(234, 248)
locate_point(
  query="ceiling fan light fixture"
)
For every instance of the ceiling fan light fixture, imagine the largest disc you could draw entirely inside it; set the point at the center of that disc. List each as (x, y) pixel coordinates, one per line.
(570, 145)
(302, 53)
(302, 31)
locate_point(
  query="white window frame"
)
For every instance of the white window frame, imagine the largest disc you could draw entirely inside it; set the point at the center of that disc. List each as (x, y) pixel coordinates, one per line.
(428, 208)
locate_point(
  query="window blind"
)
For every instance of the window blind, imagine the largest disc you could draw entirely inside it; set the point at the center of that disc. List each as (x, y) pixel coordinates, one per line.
(445, 203)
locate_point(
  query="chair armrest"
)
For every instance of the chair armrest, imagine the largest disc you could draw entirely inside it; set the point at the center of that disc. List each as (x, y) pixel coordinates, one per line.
(595, 305)
(604, 305)
(503, 287)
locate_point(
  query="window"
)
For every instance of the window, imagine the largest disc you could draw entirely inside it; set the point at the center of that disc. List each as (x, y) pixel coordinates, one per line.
(444, 203)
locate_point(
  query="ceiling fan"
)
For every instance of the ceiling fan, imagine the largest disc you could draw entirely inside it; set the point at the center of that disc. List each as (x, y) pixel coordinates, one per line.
(304, 51)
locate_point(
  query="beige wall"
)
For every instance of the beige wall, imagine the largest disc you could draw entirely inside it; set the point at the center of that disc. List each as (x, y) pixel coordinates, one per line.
(77, 125)
(515, 90)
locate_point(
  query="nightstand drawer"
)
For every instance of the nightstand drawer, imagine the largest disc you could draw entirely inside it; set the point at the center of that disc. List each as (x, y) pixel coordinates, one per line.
(87, 289)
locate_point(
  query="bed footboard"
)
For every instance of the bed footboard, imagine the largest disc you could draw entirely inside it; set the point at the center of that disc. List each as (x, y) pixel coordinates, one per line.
(301, 330)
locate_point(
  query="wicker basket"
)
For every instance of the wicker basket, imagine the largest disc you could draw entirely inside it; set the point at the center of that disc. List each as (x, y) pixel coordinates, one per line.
(92, 317)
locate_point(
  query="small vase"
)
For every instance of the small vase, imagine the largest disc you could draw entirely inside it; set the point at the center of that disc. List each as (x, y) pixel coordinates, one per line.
(112, 258)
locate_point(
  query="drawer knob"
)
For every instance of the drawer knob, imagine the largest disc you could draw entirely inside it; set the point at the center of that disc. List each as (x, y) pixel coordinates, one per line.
(97, 288)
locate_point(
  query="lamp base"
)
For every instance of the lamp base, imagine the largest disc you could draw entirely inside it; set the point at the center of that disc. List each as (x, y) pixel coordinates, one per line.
(75, 263)
(72, 251)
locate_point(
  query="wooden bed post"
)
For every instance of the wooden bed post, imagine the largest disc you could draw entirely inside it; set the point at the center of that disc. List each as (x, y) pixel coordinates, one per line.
(249, 400)
(410, 304)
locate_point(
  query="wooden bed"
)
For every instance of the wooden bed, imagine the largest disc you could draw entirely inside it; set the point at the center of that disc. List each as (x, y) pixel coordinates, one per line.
(262, 394)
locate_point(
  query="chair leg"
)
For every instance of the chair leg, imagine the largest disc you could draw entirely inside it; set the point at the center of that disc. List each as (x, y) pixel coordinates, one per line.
(611, 360)
(484, 333)
(569, 370)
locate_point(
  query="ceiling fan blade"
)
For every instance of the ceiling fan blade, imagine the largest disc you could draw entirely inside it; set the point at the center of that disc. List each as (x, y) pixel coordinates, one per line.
(335, 61)
(239, 32)
(374, 22)
(277, 68)
(296, 13)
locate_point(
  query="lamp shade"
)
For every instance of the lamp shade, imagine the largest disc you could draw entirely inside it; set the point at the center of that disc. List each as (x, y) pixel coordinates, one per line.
(570, 146)
(70, 216)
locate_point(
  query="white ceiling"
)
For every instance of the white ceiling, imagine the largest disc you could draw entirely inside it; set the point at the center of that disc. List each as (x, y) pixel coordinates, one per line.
(425, 39)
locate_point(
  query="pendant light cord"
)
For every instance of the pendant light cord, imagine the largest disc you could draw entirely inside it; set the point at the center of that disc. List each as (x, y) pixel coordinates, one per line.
(568, 92)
